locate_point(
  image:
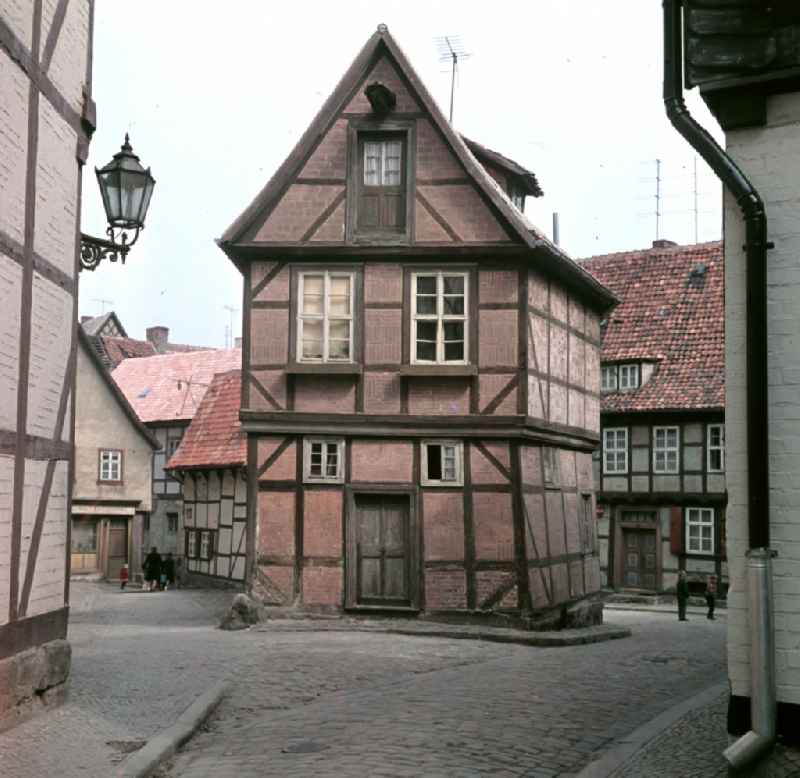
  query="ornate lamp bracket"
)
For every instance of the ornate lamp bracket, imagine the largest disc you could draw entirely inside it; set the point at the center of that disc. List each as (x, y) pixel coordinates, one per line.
(95, 250)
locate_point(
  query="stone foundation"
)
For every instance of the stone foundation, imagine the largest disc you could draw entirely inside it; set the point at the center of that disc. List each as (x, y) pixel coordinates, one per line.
(33, 680)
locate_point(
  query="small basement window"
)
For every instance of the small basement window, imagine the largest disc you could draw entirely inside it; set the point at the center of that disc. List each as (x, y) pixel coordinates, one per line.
(442, 463)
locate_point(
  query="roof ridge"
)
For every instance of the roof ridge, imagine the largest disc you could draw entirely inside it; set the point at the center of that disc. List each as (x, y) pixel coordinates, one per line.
(681, 247)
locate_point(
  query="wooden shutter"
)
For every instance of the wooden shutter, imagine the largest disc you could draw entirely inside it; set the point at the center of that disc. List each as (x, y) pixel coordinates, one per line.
(381, 208)
(676, 530)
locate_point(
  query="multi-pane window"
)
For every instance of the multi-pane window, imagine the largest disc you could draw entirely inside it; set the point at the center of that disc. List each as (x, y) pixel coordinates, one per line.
(665, 449)
(325, 319)
(323, 460)
(517, 197)
(615, 450)
(629, 376)
(439, 318)
(205, 545)
(716, 448)
(608, 378)
(191, 544)
(442, 463)
(382, 196)
(110, 465)
(700, 530)
(172, 522)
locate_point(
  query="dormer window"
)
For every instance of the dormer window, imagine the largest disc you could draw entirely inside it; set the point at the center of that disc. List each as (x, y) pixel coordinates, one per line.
(517, 197)
(628, 377)
(620, 377)
(608, 378)
(382, 184)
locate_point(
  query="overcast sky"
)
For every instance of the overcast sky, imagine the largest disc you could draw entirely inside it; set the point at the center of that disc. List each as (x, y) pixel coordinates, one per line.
(215, 95)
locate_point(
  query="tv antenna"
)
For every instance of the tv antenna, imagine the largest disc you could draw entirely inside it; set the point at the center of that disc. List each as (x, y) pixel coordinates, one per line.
(102, 302)
(229, 330)
(451, 49)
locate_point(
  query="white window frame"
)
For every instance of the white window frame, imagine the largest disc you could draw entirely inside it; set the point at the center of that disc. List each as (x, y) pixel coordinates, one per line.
(720, 447)
(110, 465)
(323, 479)
(632, 376)
(326, 317)
(384, 144)
(667, 450)
(458, 448)
(607, 451)
(191, 544)
(607, 372)
(703, 517)
(207, 540)
(439, 317)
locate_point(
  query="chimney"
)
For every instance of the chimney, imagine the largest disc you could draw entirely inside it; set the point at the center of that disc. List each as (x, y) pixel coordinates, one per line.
(159, 337)
(237, 342)
(664, 244)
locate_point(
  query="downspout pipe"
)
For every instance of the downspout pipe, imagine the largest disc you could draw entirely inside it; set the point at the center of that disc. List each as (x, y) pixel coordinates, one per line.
(762, 665)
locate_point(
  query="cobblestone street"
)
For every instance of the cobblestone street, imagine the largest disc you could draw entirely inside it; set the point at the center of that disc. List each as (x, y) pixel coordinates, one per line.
(309, 699)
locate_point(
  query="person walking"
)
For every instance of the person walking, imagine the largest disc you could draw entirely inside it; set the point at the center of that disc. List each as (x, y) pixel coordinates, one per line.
(683, 595)
(152, 569)
(711, 595)
(123, 576)
(168, 570)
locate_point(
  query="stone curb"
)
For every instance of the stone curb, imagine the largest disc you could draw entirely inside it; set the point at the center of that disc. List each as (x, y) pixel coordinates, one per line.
(630, 745)
(167, 742)
(691, 610)
(573, 637)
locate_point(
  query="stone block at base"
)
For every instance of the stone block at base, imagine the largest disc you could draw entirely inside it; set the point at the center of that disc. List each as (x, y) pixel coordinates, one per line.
(33, 680)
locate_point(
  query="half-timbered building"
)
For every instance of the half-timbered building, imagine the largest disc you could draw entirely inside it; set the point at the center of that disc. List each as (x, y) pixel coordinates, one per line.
(420, 386)
(660, 469)
(166, 391)
(46, 121)
(211, 463)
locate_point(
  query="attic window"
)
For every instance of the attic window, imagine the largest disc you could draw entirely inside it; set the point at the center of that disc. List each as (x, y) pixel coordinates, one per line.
(517, 197)
(382, 183)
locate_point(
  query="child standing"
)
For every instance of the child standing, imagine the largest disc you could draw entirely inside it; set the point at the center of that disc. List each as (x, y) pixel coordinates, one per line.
(711, 594)
(123, 577)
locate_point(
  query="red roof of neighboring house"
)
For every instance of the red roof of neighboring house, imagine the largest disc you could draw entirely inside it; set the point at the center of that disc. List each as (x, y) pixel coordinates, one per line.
(170, 387)
(215, 438)
(672, 312)
(118, 349)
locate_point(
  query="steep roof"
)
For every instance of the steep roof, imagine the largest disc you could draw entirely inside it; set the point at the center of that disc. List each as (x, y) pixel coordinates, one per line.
(127, 409)
(523, 175)
(549, 257)
(672, 311)
(215, 437)
(115, 350)
(107, 321)
(170, 387)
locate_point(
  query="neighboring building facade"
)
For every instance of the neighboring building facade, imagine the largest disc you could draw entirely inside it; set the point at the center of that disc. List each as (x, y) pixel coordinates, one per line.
(211, 463)
(112, 493)
(166, 391)
(421, 371)
(661, 466)
(748, 77)
(46, 121)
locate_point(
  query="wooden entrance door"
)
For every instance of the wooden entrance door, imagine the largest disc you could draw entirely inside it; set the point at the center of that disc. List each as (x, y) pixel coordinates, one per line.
(117, 547)
(382, 550)
(640, 566)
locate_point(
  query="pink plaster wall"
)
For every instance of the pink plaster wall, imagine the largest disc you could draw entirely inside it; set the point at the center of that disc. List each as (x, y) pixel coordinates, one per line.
(465, 212)
(323, 586)
(443, 525)
(494, 526)
(558, 302)
(531, 465)
(498, 338)
(555, 523)
(445, 589)
(332, 230)
(577, 360)
(434, 158)
(282, 579)
(438, 396)
(382, 462)
(482, 470)
(498, 286)
(277, 288)
(385, 72)
(535, 527)
(383, 329)
(558, 403)
(269, 336)
(487, 582)
(329, 159)
(383, 283)
(274, 381)
(284, 467)
(426, 228)
(276, 512)
(576, 411)
(297, 211)
(490, 385)
(322, 522)
(538, 291)
(325, 394)
(558, 353)
(381, 393)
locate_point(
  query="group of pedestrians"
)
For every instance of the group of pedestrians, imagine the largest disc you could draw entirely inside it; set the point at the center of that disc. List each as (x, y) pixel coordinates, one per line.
(159, 574)
(683, 595)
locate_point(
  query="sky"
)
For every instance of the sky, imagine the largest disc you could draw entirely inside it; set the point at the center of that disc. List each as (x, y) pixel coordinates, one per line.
(215, 96)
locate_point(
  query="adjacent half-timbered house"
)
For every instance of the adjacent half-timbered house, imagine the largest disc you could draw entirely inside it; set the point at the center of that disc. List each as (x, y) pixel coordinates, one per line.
(660, 470)
(211, 463)
(421, 371)
(166, 391)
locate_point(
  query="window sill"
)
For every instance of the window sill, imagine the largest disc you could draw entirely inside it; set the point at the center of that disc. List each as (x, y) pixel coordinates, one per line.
(443, 371)
(102, 482)
(323, 368)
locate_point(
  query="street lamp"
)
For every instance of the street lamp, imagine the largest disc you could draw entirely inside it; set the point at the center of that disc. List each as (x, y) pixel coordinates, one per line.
(126, 188)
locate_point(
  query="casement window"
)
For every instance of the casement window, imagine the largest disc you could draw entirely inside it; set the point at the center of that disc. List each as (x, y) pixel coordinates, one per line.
(700, 530)
(323, 460)
(172, 522)
(191, 544)
(382, 183)
(206, 544)
(666, 442)
(188, 514)
(716, 448)
(325, 317)
(442, 463)
(111, 465)
(608, 378)
(517, 197)
(439, 332)
(629, 376)
(615, 450)
(200, 544)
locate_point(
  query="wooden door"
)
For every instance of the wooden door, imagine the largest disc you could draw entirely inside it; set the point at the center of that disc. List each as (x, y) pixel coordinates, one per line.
(117, 547)
(640, 565)
(382, 550)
